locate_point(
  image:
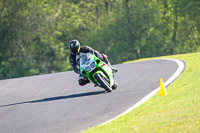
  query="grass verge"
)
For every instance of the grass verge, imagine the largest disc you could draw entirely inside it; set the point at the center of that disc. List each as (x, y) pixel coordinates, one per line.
(179, 111)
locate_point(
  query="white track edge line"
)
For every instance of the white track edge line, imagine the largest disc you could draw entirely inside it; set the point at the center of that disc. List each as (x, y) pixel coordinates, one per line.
(179, 70)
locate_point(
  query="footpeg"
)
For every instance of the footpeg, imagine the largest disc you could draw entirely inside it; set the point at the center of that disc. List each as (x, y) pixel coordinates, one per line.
(115, 70)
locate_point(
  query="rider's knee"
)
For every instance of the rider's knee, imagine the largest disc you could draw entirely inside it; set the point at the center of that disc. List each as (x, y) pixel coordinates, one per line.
(105, 56)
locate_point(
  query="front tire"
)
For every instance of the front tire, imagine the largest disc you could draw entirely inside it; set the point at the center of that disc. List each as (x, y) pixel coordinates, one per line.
(103, 82)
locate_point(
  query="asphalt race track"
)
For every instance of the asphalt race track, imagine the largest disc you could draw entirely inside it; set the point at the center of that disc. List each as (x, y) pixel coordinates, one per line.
(55, 103)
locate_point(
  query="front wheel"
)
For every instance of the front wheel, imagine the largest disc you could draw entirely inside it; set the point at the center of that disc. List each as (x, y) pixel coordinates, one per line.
(103, 82)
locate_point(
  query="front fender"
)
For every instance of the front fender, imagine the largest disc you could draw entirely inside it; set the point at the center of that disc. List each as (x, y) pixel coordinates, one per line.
(100, 72)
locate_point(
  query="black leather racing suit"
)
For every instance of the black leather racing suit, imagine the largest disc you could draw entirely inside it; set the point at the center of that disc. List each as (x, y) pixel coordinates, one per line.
(72, 59)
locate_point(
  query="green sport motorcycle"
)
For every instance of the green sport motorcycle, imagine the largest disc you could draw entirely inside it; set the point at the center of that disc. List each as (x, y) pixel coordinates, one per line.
(97, 71)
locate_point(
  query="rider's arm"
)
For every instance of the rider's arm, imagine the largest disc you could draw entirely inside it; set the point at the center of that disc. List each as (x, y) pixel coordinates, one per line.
(87, 49)
(72, 60)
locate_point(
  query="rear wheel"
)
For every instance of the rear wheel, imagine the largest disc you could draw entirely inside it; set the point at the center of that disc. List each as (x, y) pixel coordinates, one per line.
(104, 83)
(115, 85)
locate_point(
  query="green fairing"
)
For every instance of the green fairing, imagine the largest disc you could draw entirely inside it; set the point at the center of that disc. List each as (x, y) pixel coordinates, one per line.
(101, 68)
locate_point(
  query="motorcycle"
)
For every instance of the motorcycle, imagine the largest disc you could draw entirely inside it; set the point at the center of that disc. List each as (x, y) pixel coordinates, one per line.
(97, 71)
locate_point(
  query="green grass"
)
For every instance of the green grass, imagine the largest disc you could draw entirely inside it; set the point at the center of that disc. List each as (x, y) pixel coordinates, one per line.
(179, 111)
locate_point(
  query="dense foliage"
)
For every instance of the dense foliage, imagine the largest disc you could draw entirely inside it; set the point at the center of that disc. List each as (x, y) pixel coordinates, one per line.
(34, 34)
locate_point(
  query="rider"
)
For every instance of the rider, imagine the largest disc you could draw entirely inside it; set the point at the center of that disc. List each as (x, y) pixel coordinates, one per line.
(76, 49)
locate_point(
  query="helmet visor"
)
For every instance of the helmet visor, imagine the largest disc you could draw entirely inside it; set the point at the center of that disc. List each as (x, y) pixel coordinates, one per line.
(74, 49)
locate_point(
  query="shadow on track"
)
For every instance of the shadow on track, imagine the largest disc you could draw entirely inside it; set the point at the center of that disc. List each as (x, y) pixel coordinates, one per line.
(57, 98)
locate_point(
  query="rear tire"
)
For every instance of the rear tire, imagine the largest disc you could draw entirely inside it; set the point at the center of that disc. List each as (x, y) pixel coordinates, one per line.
(115, 85)
(103, 82)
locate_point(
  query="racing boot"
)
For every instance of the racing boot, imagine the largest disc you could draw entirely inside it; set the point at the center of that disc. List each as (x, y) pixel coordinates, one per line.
(83, 80)
(113, 69)
(108, 63)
